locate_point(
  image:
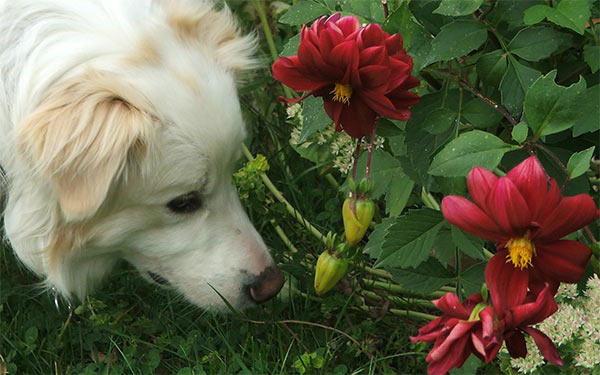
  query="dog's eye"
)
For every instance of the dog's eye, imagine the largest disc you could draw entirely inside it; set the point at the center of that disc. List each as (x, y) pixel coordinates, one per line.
(186, 203)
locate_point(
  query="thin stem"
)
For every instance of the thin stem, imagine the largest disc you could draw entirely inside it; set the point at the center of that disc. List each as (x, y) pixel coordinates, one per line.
(404, 313)
(488, 10)
(355, 162)
(386, 11)
(556, 160)
(370, 154)
(264, 22)
(398, 300)
(295, 213)
(589, 233)
(477, 93)
(394, 288)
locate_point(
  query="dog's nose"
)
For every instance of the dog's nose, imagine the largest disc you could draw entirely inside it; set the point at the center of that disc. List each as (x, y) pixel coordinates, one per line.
(267, 285)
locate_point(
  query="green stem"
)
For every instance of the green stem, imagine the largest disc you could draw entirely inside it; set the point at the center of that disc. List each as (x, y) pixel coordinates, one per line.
(399, 290)
(295, 213)
(429, 200)
(264, 22)
(399, 301)
(284, 237)
(403, 313)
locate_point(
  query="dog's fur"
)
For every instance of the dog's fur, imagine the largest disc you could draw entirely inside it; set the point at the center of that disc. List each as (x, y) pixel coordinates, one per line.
(109, 110)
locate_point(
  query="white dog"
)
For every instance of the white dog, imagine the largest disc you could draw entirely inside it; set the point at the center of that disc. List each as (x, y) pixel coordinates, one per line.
(119, 130)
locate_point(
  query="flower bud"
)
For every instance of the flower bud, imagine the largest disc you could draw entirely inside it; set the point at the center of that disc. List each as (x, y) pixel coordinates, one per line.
(330, 270)
(357, 215)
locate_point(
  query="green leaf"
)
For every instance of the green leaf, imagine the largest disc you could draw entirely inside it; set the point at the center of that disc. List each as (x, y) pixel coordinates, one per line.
(519, 132)
(469, 367)
(472, 278)
(589, 120)
(428, 277)
(291, 47)
(474, 148)
(31, 335)
(470, 245)
(370, 10)
(457, 39)
(315, 118)
(536, 43)
(481, 114)
(400, 22)
(579, 162)
(572, 14)
(492, 66)
(439, 120)
(551, 108)
(457, 8)
(517, 79)
(303, 13)
(591, 55)
(443, 247)
(405, 241)
(397, 196)
(384, 169)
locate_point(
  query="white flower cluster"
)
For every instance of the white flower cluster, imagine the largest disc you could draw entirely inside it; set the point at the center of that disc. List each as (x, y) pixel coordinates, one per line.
(341, 145)
(574, 328)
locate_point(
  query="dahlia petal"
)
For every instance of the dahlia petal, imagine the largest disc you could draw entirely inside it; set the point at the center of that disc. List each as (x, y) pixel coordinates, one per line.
(311, 59)
(374, 76)
(345, 54)
(571, 214)
(372, 56)
(508, 208)
(515, 343)
(348, 25)
(333, 110)
(487, 322)
(562, 261)
(357, 119)
(383, 105)
(531, 180)
(467, 216)
(430, 331)
(459, 331)
(507, 284)
(450, 304)
(371, 35)
(553, 197)
(480, 182)
(453, 359)
(394, 44)
(534, 312)
(402, 99)
(290, 72)
(545, 344)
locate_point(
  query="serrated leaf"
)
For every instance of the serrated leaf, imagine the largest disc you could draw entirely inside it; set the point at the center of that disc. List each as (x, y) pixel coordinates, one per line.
(572, 14)
(397, 196)
(315, 118)
(492, 66)
(400, 22)
(384, 168)
(517, 79)
(457, 39)
(470, 245)
(407, 240)
(589, 120)
(370, 10)
(551, 108)
(536, 43)
(443, 247)
(428, 277)
(303, 13)
(291, 47)
(579, 162)
(457, 8)
(474, 148)
(481, 114)
(519, 132)
(591, 56)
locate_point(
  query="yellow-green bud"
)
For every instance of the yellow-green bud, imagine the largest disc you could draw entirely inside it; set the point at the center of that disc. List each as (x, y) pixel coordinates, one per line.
(330, 270)
(357, 215)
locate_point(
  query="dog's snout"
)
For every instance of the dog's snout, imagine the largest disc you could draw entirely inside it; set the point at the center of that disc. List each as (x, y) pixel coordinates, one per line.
(268, 284)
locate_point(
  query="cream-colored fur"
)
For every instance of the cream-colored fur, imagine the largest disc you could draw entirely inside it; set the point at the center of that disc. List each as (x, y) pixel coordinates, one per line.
(109, 110)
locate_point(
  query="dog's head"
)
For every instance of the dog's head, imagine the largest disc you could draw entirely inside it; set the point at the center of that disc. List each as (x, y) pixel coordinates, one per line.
(130, 156)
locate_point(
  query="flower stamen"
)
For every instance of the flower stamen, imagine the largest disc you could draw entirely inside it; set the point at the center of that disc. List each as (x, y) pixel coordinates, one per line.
(342, 93)
(520, 251)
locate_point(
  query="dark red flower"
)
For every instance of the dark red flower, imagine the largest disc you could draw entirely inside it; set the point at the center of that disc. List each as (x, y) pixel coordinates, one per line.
(517, 312)
(463, 329)
(360, 73)
(526, 215)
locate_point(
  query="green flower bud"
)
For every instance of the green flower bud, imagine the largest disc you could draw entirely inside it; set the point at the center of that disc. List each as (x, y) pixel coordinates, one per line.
(330, 270)
(357, 215)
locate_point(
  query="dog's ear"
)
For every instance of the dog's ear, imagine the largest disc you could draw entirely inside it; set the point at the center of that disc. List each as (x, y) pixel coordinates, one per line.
(80, 137)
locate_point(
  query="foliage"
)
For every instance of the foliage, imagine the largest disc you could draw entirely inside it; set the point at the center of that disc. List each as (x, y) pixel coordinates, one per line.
(500, 79)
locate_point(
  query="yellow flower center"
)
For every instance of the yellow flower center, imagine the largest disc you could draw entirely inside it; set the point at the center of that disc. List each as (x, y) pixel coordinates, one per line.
(342, 93)
(520, 251)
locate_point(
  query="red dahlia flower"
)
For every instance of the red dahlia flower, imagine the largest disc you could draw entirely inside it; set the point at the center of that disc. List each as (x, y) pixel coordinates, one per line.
(516, 312)
(360, 73)
(463, 329)
(526, 215)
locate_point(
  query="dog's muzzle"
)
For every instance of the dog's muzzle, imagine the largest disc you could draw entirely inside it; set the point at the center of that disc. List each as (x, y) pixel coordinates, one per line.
(266, 285)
